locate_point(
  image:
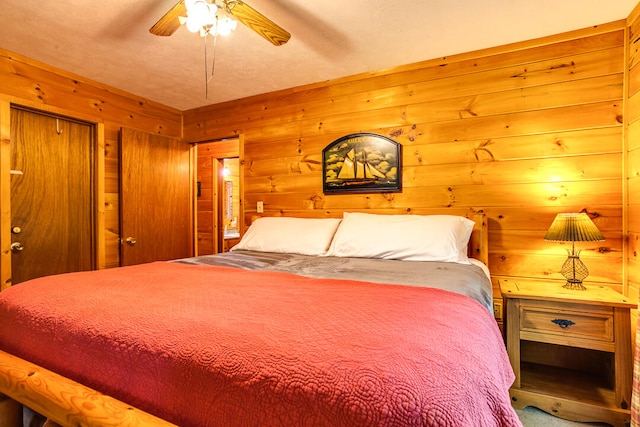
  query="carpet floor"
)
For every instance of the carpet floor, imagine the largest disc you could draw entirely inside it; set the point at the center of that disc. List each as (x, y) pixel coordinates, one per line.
(533, 417)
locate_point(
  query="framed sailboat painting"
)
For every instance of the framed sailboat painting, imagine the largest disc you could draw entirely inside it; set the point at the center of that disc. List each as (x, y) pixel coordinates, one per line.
(362, 163)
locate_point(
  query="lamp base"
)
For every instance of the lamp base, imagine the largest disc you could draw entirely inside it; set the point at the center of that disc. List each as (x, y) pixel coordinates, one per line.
(574, 271)
(575, 285)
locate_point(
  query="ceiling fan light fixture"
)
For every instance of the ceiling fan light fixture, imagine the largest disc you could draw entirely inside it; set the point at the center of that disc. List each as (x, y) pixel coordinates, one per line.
(226, 25)
(200, 14)
(217, 17)
(198, 6)
(236, 9)
(193, 24)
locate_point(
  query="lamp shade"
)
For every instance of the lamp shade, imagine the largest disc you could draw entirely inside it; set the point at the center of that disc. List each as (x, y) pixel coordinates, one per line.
(573, 227)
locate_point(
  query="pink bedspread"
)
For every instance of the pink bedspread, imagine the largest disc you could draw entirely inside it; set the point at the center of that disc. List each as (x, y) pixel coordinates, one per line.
(217, 346)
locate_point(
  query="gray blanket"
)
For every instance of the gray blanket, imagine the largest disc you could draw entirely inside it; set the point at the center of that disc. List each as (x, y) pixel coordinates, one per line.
(468, 280)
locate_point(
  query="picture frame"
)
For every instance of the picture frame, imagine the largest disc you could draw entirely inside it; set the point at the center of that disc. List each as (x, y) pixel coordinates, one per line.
(362, 162)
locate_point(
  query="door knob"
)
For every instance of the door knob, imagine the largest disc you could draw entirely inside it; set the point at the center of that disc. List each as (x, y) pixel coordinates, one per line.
(16, 247)
(130, 241)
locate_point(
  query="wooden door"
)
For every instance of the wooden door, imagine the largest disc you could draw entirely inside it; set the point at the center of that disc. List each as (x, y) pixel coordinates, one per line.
(52, 204)
(155, 211)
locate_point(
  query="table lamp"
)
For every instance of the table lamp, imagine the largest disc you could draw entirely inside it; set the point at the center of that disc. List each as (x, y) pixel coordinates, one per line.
(573, 227)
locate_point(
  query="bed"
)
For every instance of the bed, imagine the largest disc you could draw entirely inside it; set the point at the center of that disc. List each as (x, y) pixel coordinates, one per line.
(356, 321)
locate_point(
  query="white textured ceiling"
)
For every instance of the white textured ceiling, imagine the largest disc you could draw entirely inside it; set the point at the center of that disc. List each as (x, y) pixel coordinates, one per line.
(108, 41)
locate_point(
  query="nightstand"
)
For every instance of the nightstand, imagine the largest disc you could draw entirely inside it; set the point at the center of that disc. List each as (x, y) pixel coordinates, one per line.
(570, 350)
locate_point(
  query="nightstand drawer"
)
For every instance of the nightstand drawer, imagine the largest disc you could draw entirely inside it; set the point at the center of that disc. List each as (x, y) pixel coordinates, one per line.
(569, 320)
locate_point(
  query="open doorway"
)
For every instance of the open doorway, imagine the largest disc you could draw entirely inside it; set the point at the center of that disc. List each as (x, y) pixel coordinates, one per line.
(229, 214)
(219, 196)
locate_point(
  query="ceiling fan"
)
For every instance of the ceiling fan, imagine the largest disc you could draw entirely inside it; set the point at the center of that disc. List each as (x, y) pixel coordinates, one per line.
(236, 9)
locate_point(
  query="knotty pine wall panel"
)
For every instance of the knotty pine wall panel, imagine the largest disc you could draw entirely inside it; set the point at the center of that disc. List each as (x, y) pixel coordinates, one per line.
(27, 82)
(206, 231)
(43, 85)
(436, 79)
(522, 132)
(632, 152)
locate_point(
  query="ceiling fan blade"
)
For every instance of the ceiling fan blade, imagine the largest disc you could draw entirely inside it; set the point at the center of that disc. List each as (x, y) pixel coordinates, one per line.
(257, 22)
(169, 23)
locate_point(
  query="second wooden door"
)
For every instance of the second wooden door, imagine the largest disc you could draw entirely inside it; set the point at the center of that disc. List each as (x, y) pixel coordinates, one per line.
(155, 213)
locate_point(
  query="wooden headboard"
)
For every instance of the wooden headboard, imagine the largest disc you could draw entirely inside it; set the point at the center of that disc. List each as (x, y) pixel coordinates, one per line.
(478, 243)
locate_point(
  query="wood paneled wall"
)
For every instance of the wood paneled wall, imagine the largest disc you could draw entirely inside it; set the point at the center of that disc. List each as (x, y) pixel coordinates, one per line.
(27, 82)
(522, 132)
(632, 158)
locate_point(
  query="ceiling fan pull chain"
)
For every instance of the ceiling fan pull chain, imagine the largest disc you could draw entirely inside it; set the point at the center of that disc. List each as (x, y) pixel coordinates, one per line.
(208, 77)
(206, 80)
(213, 61)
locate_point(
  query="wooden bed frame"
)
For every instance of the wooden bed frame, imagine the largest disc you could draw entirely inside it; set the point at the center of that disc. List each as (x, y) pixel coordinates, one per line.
(67, 403)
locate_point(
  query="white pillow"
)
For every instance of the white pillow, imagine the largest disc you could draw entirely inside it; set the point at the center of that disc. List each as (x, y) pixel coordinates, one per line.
(306, 236)
(405, 237)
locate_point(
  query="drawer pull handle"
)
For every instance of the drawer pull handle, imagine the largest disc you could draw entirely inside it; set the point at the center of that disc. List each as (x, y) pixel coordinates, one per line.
(563, 323)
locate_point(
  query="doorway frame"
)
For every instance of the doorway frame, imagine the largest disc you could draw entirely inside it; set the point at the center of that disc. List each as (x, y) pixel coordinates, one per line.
(230, 147)
(98, 184)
